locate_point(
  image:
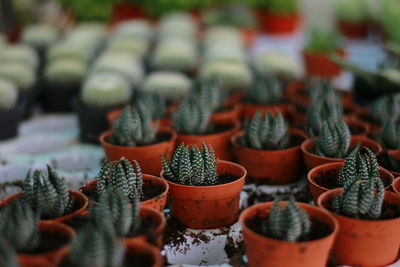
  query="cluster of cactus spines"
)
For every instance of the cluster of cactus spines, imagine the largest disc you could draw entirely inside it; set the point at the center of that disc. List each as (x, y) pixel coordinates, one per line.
(192, 117)
(155, 102)
(270, 133)
(18, 226)
(190, 166)
(8, 256)
(95, 247)
(265, 91)
(134, 127)
(120, 175)
(390, 135)
(387, 106)
(114, 214)
(209, 92)
(290, 223)
(322, 89)
(323, 110)
(47, 193)
(363, 189)
(334, 139)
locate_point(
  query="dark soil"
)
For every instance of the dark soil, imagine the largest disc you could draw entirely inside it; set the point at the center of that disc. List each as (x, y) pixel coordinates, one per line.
(48, 242)
(355, 130)
(226, 178)
(389, 211)
(214, 129)
(134, 259)
(329, 180)
(174, 235)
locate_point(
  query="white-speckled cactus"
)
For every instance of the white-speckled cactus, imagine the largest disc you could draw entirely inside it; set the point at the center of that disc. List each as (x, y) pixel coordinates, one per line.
(278, 64)
(21, 74)
(105, 90)
(39, 35)
(8, 95)
(136, 47)
(67, 50)
(19, 53)
(134, 29)
(224, 52)
(222, 34)
(66, 70)
(177, 25)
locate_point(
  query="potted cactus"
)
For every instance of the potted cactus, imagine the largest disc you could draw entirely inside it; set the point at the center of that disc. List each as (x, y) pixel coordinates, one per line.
(330, 176)
(11, 109)
(100, 94)
(285, 233)
(46, 192)
(200, 183)
(390, 161)
(389, 136)
(269, 150)
(352, 18)
(150, 190)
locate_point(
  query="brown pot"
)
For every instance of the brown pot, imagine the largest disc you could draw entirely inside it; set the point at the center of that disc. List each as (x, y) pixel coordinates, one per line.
(353, 30)
(263, 251)
(318, 64)
(313, 160)
(208, 207)
(149, 156)
(396, 185)
(249, 110)
(274, 23)
(367, 243)
(275, 166)
(34, 262)
(334, 168)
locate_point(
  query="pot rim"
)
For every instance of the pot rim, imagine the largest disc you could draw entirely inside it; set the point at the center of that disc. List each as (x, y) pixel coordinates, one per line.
(396, 185)
(339, 51)
(235, 126)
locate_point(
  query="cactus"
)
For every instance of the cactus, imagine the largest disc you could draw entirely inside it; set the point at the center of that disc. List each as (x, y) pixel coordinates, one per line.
(66, 70)
(290, 223)
(177, 26)
(134, 127)
(390, 134)
(270, 133)
(224, 52)
(18, 225)
(387, 106)
(21, 54)
(363, 189)
(136, 48)
(322, 41)
(334, 140)
(323, 110)
(352, 11)
(156, 104)
(8, 256)
(278, 64)
(39, 35)
(210, 93)
(22, 75)
(222, 34)
(190, 166)
(266, 91)
(135, 29)
(8, 95)
(322, 89)
(120, 175)
(114, 214)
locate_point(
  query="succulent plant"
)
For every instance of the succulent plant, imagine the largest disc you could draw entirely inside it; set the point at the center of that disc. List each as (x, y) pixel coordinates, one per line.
(120, 175)
(209, 92)
(22, 54)
(135, 127)
(63, 50)
(387, 106)
(8, 256)
(389, 137)
(156, 103)
(177, 25)
(270, 133)
(389, 18)
(323, 110)
(66, 70)
(39, 35)
(190, 166)
(222, 34)
(129, 45)
(390, 162)
(322, 41)
(105, 90)
(265, 91)
(363, 189)
(18, 226)
(275, 64)
(224, 52)
(282, 7)
(333, 140)
(46, 192)
(322, 89)
(8, 95)
(289, 223)
(113, 213)
(22, 75)
(137, 29)
(235, 15)
(352, 11)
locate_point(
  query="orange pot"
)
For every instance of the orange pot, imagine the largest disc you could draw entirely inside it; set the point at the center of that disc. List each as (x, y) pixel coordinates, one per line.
(227, 116)
(313, 160)
(248, 36)
(275, 166)
(208, 207)
(334, 168)
(157, 203)
(249, 110)
(366, 243)
(115, 113)
(263, 251)
(34, 262)
(273, 23)
(149, 157)
(81, 200)
(353, 30)
(137, 251)
(219, 141)
(318, 64)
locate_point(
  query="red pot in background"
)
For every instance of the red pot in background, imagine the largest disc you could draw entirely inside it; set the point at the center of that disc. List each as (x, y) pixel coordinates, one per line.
(273, 23)
(249, 110)
(318, 64)
(127, 11)
(137, 251)
(353, 30)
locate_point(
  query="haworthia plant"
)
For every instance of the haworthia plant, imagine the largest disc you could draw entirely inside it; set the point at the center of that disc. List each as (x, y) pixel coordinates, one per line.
(209, 92)
(156, 103)
(323, 110)
(8, 256)
(190, 166)
(389, 137)
(265, 91)
(387, 106)
(322, 89)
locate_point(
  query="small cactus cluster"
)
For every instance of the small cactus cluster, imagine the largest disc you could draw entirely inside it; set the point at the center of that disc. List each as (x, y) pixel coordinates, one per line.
(209, 92)
(120, 175)
(66, 70)
(270, 133)
(334, 140)
(390, 135)
(387, 106)
(289, 223)
(363, 189)
(8, 256)
(265, 91)
(134, 127)
(190, 166)
(156, 103)
(323, 110)
(46, 192)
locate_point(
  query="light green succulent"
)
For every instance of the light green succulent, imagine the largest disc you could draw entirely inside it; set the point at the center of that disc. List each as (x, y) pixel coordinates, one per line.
(352, 11)
(89, 31)
(66, 70)
(8, 256)
(136, 47)
(22, 54)
(236, 15)
(322, 41)
(265, 91)
(387, 106)
(389, 137)
(177, 25)
(134, 29)
(67, 50)
(224, 35)
(224, 52)
(39, 35)
(278, 6)
(105, 90)
(22, 75)
(8, 95)
(278, 64)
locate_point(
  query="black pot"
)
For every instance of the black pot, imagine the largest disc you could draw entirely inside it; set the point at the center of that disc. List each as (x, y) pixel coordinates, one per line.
(31, 97)
(9, 120)
(58, 97)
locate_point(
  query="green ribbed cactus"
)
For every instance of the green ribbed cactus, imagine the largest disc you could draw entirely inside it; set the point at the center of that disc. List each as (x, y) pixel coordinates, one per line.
(114, 214)
(192, 117)
(265, 91)
(18, 225)
(322, 89)
(387, 106)
(8, 256)
(47, 193)
(334, 140)
(134, 127)
(289, 223)
(155, 102)
(323, 110)
(93, 247)
(120, 175)
(190, 166)
(270, 133)
(363, 189)
(390, 135)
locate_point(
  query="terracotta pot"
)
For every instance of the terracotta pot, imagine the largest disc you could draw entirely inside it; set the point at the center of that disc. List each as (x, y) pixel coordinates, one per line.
(353, 30)
(59, 230)
(157, 202)
(149, 157)
(235, 97)
(137, 251)
(367, 243)
(79, 198)
(115, 113)
(318, 64)
(249, 110)
(219, 141)
(313, 160)
(317, 189)
(34, 262)
(263, 251)
(294, 92)
(277, 23)
(355, 123)
(208, 207)
(274, 166)
(127, 11)
(230, 115)
(249, 35)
